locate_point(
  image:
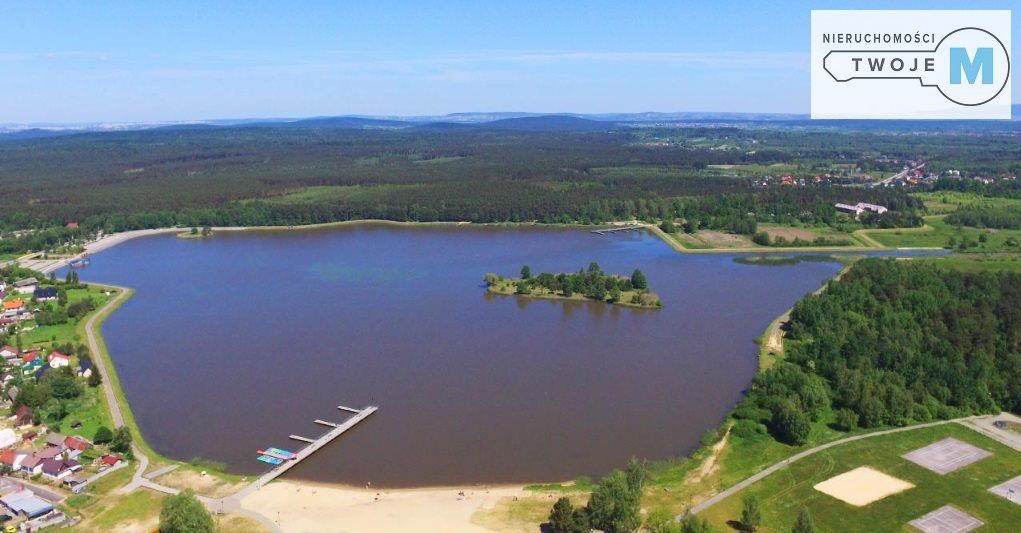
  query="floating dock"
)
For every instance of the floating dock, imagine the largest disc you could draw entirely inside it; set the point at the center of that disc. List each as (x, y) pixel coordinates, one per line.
(313, 446)
(621, 228)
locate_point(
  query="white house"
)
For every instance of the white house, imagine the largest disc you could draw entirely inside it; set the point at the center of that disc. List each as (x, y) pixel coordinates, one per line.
(26, 286)
(58, 360)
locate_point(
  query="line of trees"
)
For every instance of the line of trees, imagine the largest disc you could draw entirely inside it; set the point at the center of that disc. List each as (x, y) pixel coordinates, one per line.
(986, 217)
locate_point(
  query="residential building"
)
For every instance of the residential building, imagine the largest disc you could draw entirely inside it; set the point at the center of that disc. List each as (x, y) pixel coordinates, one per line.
(26, 286)
(45, 294)
(24, 416)
(57, 360)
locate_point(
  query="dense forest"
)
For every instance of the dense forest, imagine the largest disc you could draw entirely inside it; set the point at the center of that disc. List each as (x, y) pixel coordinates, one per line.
(986, 217)
(300, 175)
(894, 342)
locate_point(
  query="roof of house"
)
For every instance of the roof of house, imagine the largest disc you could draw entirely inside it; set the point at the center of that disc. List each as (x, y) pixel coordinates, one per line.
(24, 411)
(16, 303)
(12, 393)
(84, 363)
(49, 453)
(58, 355)
(32, 461)
(109, 460)
(26, 282)
(46, 292)
(8, 348)
(29, 357)
(56, 466)
(71, 224)
(8, 456)
(76, 443)
(25, 501)
(55, 439)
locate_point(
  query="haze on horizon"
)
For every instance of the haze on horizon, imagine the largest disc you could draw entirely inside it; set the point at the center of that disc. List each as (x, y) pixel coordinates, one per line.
(67, 62)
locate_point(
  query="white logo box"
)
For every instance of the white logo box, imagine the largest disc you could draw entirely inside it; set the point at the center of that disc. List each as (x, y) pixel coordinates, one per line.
(918, 64)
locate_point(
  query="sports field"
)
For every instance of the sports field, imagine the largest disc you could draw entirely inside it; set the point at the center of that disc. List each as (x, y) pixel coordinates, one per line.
(783, 494)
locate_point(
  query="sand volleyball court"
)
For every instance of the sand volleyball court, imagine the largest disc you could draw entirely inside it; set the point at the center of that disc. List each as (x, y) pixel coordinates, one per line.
(862, 486)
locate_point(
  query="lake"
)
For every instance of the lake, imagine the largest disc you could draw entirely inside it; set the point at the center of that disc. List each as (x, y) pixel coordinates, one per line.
(233, 343)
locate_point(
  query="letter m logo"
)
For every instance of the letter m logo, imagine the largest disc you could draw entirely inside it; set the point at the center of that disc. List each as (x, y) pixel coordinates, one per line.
(983, 61)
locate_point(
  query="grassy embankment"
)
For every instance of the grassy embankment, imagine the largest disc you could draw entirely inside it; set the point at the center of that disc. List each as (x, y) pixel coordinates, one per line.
(708, 241)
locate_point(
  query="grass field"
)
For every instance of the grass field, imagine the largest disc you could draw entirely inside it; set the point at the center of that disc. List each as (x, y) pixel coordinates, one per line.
(938, 234)
(977, 262)
(942, 202)
(783, 494)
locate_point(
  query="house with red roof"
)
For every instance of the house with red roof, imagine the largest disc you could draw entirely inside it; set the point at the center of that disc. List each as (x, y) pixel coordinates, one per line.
(57, 360)
(9, 352)
(7, 457)
(77, 443)
(107, 461)
(71, 225)
(24, 416)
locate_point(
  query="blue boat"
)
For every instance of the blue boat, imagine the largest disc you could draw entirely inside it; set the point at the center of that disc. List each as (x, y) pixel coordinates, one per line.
(270, 460)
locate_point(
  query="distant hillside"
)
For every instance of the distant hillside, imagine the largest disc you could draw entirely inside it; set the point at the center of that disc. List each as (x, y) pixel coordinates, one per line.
(549, 123)
(345, 122)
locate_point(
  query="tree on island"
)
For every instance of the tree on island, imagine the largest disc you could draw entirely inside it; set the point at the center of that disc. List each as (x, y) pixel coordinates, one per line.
(526, 272)
(184, 513)
(523, 288)
(638, 280)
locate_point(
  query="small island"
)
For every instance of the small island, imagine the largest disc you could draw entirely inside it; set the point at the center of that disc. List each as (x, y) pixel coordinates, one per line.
(591, 284)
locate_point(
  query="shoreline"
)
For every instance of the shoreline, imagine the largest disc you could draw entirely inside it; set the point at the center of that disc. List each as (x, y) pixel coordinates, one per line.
(108, 241)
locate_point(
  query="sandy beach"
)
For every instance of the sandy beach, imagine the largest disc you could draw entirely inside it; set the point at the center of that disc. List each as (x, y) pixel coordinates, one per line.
(308, 507)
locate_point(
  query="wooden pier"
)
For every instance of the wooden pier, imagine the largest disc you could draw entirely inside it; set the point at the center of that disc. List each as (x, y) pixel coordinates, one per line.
(313, 446)
(632, 227)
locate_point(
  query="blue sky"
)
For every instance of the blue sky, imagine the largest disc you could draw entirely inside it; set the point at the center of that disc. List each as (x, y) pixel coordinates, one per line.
(176, 60)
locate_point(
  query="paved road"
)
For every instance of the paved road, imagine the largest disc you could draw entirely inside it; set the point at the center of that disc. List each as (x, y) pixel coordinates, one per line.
(1007, 437)
(97, 357)
(806, 453)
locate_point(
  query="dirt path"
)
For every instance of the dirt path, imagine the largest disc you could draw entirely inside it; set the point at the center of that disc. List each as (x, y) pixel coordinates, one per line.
(710, 464)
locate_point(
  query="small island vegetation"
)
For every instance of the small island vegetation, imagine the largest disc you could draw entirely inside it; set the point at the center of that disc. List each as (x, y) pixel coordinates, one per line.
(591, 284)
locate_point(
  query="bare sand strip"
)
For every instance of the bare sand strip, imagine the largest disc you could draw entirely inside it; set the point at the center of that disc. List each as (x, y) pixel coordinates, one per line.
(310, 507)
